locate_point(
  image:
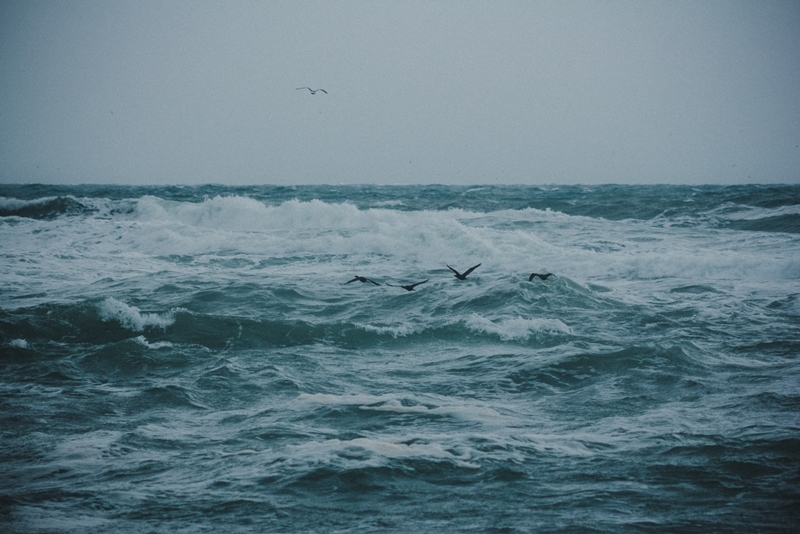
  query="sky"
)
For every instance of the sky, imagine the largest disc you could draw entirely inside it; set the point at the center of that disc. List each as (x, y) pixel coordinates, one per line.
(446, 92)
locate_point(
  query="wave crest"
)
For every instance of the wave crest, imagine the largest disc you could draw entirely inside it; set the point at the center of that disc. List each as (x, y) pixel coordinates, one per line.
(47, 208)
(517, 328)
(131, 317)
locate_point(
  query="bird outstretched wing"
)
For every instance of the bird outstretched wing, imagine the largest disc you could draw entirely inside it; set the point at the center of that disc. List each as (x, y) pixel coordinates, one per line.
(409, 287)
(466, 273)
(471, 269)
(362, 279)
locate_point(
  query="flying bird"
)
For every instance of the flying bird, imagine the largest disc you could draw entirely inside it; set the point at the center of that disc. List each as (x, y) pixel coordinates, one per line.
(313, 91)
(542, 276)
(466, 273)
(409, 287)
(362, 279)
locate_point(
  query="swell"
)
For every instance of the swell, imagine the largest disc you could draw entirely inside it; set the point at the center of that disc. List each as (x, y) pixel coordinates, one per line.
(44, 208)
(789, 223)
(611, 202)
(91, 324)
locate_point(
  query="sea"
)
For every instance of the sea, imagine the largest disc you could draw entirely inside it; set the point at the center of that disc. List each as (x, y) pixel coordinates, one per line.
(204, 359)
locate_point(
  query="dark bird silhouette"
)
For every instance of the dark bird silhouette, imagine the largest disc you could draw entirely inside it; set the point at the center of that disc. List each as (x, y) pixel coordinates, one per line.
(466, 273)
(362, 279)
(409, 287)
(313, 91)
(542, 276)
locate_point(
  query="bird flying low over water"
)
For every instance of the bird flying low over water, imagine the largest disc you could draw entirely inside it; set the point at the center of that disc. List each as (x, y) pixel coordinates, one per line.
(362, 279)
(542, 276)
(313, 91)
(466, 273)
(409, 287)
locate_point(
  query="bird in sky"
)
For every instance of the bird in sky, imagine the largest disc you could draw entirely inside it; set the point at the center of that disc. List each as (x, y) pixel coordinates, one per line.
(313, 91)
(362, 279)
(542, 276)
(409, 287)
(466, 273)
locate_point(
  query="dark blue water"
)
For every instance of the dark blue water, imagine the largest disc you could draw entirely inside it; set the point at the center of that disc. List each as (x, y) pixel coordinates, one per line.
(192, 359)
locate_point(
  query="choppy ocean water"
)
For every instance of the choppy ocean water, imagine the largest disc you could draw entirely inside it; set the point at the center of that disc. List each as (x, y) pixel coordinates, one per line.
(192, 359)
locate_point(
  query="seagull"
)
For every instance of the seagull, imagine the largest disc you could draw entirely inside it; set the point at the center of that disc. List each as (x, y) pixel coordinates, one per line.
(542, 276)
(463, 276)
(409, 287)
(362, 279)
(313, 91)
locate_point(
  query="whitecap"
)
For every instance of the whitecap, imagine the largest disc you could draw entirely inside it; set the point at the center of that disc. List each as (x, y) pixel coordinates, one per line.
(13, 204)
(375, 451)
(394, 331)
(516, 328)
(130, 317)
(461, 411)
(153, 346)
(395, 404)
(352, 399)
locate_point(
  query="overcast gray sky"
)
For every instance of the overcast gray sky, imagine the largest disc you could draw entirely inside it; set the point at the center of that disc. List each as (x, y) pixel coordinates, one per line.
(445, 92)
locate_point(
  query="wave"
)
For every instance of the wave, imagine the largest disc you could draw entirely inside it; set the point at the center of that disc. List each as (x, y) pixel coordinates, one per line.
(789, 223)
(91, 322)
(429, 405)
(506, 238)
(112, 320)
(746, 217)
(516, 328)
(376, 452)
(238, 213)
(153, 346)
(312, 246)
(130, 317)
(297, 228)
(43, 208)
(403, 330)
